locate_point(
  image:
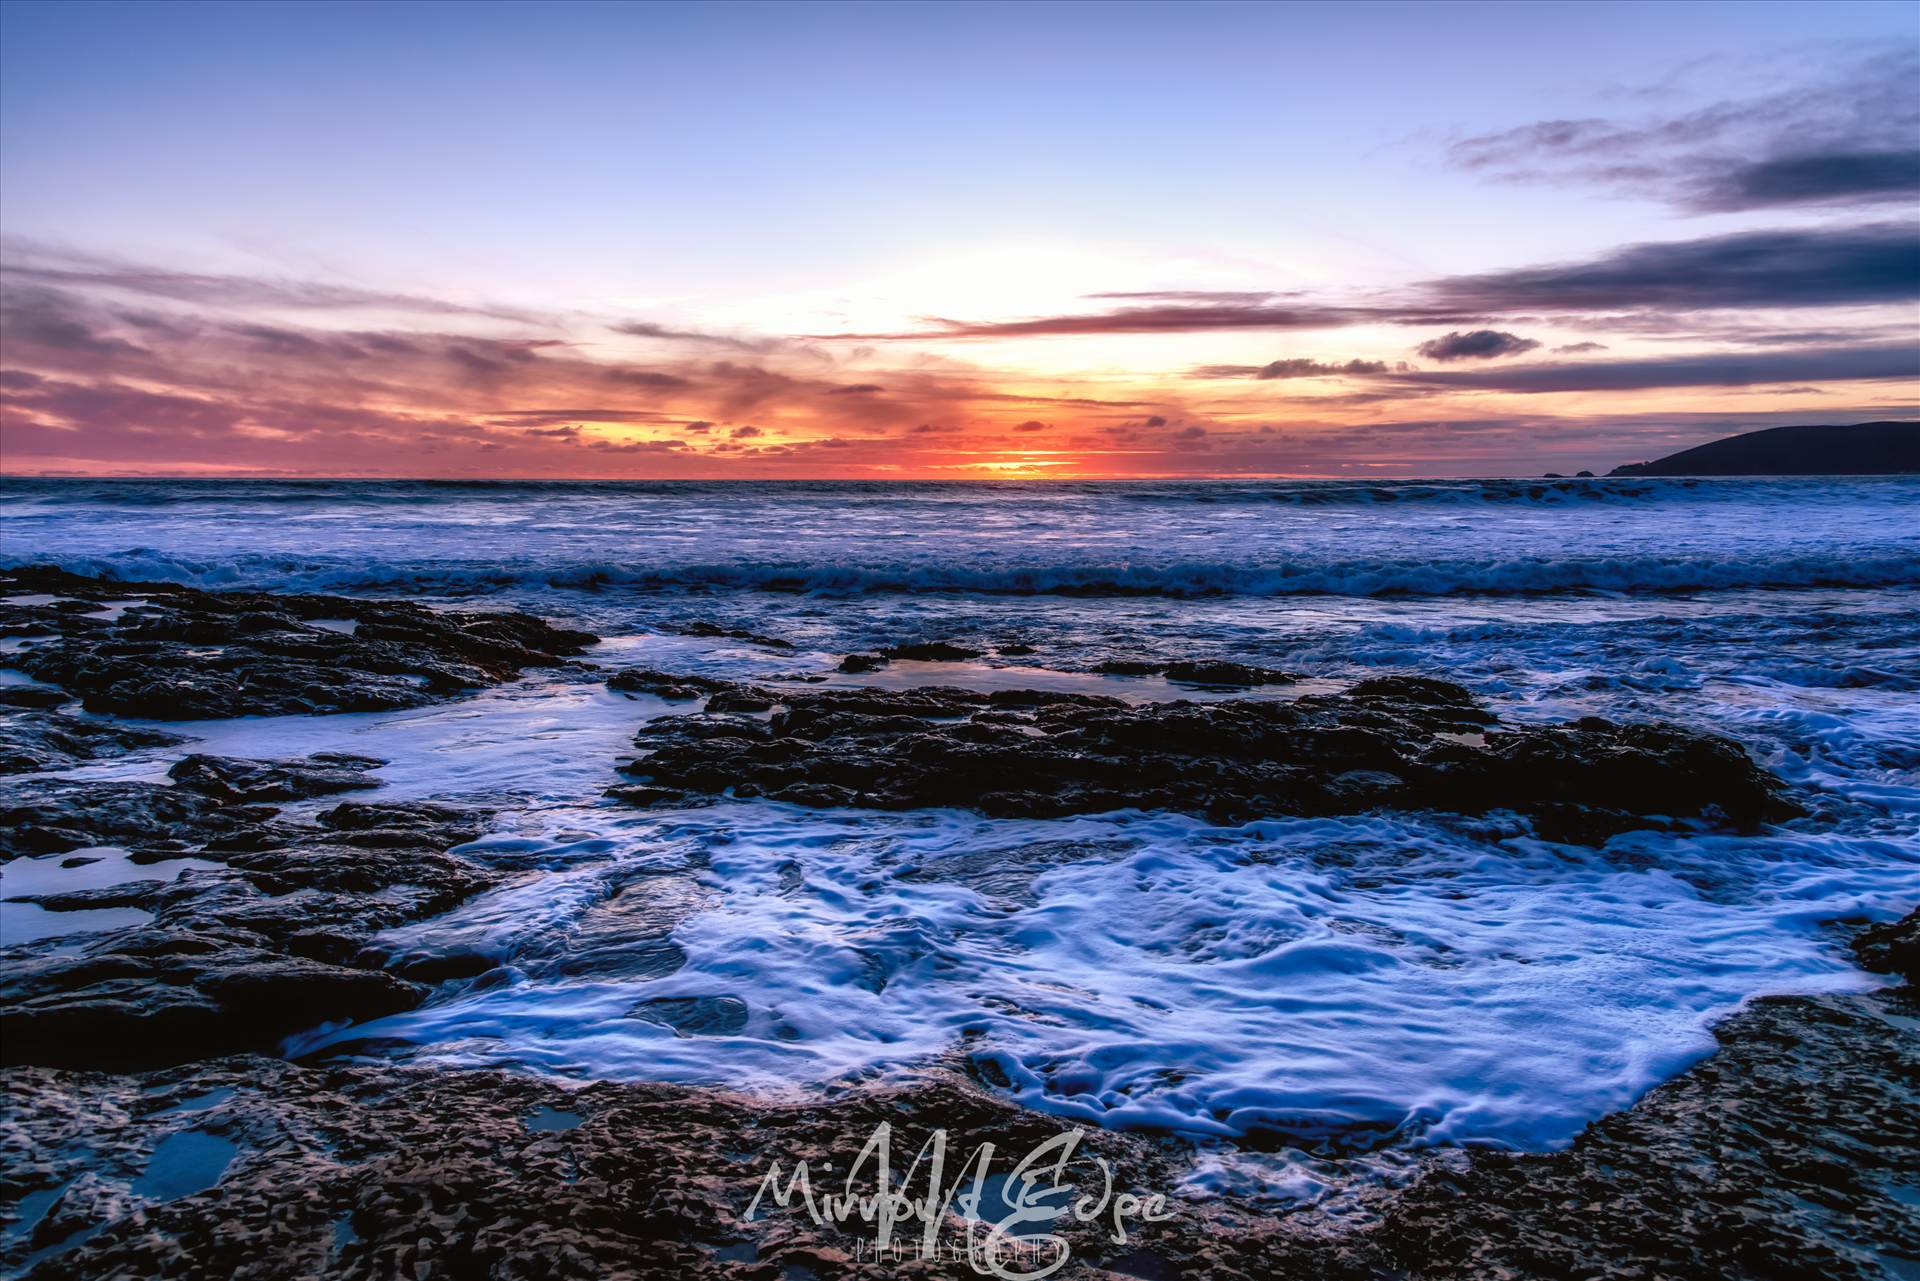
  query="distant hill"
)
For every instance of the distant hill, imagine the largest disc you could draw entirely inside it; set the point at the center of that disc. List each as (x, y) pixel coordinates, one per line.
(1866, 449)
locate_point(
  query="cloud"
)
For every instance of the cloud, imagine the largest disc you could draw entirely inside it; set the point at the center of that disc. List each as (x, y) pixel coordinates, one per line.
(1237, 296)
(1802, 267)
(1858, 265)
(1156, 421)
(1576, 348)
(1032, 424)
(855, 389)
(1830, 178)
(1838, 364)
(1845, 138)
(1149, 320)
(37, 264)
(747, 433)
(647, 329)
(1297, 368)
(1476, 344)
(648, 378)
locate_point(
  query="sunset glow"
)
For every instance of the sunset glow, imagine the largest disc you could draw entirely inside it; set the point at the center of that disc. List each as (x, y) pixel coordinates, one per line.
(233, 273)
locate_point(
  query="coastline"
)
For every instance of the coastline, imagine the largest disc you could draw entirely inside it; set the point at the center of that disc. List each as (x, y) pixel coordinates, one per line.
(182, 1159)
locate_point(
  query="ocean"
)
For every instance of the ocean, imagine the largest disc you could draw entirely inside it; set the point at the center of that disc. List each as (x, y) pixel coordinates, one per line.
(1368, 986)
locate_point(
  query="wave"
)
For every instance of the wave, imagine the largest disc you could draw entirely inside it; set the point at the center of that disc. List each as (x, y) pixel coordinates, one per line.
(29, 492)
(1625, 574)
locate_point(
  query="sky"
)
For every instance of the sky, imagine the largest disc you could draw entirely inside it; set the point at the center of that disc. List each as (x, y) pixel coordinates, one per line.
(947, 241)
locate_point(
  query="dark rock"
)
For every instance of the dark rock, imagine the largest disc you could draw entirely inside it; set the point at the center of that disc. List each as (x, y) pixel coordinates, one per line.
(53, 816)
(715, 631)
(1208, 672)
(1892, 947)
(643, 796)
(1018, 649)
(238, 957)
(32, 741)
(931, 652)
(187, 654)
(854, 664)
(645, 680)
(321, 774)
(1221, 673)
(1128, 667)
(38, 697)
(1395, 743)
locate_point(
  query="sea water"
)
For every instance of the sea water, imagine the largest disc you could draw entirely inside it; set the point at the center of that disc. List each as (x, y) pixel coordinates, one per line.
(1376, 983)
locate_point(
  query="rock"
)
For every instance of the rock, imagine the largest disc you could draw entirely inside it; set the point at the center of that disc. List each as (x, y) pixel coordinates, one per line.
(1128, 667)
(715, 631)
(643, 796)
(646, 680)
(32, 741)
(53, 816)
(1892, 947)
(931, 652)
(854, 664)
(1221, 673)
(185, 654)
(38, 697)
(321, 774)
(274, 942)
(1210, 672)
(1390, 743)
(1787, 1154)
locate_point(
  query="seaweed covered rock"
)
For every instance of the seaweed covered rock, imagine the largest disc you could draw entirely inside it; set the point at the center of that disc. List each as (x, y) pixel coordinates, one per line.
(1395, 743)
(167, 652)
(264, 933)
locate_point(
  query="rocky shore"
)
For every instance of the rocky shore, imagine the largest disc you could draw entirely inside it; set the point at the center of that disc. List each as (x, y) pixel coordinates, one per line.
(148, 1132)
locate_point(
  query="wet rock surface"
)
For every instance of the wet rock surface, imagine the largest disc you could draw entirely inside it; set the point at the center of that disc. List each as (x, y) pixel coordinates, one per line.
(264, 935)
(33, 740)
(1791, 1153)
(161, 651)
(1891, 947)
(1216, 673)
(1388, 743)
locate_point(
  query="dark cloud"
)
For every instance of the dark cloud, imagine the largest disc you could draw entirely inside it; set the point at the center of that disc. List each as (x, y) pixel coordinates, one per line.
(1838, 364)
(1298, 368)
(1156, 421)
(1831, 178)
(1475, 344)
(1032, 424)
(1804, 267)
(1845, 138)
(747, 433)
(855, 389)
(1576, 348)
